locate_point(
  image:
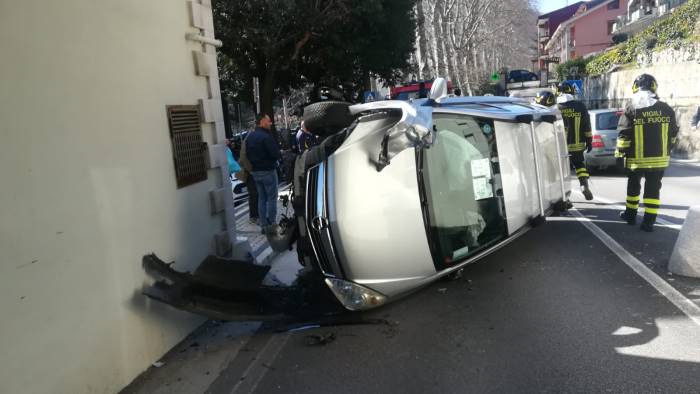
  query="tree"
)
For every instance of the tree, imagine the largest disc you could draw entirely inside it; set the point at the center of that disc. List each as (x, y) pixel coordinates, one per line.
(288, 44)
(467, 40)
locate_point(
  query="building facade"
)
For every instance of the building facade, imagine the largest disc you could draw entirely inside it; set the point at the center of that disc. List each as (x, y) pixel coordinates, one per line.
(588, 31)
(113, 134)
(547, 24)
(641, 13)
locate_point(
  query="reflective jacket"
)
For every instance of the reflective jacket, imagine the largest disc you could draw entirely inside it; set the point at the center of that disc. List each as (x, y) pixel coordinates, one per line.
(577, 124)
(646, 135)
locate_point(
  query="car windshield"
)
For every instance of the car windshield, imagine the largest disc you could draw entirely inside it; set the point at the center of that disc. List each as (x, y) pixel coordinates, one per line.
(462, 188)
(607, 120)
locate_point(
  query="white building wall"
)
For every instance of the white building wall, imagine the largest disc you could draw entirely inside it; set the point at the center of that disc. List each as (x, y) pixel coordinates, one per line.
(87, 187)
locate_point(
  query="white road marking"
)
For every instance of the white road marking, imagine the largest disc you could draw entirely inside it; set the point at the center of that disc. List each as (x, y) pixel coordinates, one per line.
(257, 370)
(688, 307)
(659, 220)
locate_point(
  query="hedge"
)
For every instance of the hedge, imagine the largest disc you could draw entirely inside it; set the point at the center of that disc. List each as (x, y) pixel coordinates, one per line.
(677, 30)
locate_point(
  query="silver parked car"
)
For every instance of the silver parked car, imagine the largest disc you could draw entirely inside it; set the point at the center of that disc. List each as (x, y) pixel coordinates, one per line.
(604, 128)
(398, 195)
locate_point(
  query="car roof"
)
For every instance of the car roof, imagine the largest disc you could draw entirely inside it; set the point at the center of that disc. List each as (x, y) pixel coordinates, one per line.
(497, 107)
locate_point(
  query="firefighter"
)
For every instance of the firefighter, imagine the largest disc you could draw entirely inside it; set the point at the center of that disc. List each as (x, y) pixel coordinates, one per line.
(545, 98)
(577, 124)
(647, 130)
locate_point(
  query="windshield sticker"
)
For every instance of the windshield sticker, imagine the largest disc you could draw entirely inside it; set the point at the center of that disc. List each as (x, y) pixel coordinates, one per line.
(481, 167)
(482, 188)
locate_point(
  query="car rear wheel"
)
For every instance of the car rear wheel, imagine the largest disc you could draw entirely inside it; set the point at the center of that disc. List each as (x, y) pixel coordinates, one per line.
(327, 117)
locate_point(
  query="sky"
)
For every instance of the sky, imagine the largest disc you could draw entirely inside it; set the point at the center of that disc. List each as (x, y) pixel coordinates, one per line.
(550, 5)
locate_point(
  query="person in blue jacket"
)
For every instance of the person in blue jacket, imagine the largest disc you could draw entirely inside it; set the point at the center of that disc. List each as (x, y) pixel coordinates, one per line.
(233, 166)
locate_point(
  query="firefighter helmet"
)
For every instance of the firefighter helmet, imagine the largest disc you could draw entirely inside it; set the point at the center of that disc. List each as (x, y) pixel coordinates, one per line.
(545, 97)
(566, 88)
(644, 82)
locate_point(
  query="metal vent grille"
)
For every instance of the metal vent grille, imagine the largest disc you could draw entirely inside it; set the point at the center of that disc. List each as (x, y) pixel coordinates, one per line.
(188, 146)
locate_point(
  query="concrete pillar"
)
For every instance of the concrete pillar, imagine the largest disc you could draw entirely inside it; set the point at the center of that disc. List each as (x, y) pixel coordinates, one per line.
(685, 259)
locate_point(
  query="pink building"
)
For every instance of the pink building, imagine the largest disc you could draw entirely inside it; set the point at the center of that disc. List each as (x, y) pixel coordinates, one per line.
(588, 31)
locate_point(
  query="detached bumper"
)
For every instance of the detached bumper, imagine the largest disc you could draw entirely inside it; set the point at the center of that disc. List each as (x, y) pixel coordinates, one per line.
(232, 290)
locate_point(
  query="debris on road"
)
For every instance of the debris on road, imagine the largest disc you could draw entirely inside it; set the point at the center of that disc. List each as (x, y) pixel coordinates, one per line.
(158, 364)
(456, 275)
(320, 340)
(442, 290)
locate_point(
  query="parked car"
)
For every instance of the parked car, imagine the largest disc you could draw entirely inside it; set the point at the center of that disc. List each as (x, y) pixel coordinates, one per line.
(522, 76)
(396, 196)
(604, 129)
(239, 190)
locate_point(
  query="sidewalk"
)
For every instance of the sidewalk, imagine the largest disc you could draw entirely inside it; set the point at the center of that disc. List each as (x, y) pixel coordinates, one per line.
(260, 249)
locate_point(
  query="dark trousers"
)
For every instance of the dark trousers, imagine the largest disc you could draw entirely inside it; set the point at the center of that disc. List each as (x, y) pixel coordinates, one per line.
(252, 197)
(652, 192)
(579, 164)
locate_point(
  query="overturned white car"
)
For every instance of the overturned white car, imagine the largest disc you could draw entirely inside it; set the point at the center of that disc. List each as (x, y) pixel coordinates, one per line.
(399, 194)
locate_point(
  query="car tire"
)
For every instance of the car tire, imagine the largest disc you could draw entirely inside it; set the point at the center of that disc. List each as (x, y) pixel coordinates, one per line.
(533, 78)
(327, 117)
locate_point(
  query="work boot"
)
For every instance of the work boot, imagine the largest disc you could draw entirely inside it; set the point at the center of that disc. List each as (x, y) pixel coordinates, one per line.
(586, 192)
(629, 216)
(647, 224)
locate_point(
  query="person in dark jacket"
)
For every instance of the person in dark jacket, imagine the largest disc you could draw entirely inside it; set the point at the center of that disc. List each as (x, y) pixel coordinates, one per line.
(647, 130)
(263, 152)
(306, 140)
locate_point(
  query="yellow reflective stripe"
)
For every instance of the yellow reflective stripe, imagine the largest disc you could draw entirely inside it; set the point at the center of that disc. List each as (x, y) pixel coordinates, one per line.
(632, 198)
(588, 134)
(639, 141)
(576, 147)
(664, 138)
(577, 128)
(654, 201)
(619, 154)
(631, 205)
(651, 210)
(635, 166)
(623, 143)
(649, 160)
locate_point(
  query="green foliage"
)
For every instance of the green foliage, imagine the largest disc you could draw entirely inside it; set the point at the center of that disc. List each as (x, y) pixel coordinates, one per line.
(673, 32)
(288, 44)
(573, 69)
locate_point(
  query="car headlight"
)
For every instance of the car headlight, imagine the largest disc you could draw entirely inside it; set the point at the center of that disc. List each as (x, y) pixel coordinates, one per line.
(353, 296)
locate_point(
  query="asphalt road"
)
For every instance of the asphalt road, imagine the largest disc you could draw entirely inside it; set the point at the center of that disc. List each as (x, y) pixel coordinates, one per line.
(581, 304)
